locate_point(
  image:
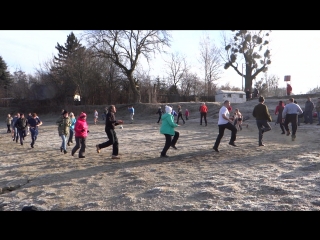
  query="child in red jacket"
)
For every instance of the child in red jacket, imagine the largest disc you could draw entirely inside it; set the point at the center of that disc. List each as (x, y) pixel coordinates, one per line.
(81, 133)
(187, 113)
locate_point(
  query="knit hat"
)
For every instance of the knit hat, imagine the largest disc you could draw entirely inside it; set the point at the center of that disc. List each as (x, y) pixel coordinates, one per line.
(64, 112)
(82, 115)
(168, 109)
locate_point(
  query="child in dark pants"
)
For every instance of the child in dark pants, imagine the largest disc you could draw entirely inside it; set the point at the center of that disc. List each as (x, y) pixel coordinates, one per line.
(167, 128)
(81, 133)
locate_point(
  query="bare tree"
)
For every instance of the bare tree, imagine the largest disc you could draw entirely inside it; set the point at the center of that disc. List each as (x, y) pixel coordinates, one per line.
(273, 85)
(124, 47)
(249, 44)
(177, 69)
(187, 83)
(210, 58)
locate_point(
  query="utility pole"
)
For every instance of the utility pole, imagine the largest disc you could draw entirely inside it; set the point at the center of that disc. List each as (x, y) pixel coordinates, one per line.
(242, 77)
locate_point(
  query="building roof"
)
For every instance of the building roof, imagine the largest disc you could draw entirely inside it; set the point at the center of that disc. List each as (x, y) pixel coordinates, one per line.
(227, 91)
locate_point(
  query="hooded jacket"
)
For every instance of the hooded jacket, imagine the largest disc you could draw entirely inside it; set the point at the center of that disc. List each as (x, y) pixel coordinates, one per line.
(168, 124)
(63, 125)
(81, 128)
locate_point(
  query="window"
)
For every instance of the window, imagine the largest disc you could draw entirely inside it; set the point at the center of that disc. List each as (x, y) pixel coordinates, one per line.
(240, 95)
(229, 94)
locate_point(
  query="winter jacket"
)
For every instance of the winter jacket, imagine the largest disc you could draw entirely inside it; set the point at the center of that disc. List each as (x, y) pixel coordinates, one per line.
(203, 109)
(63, 126)
(168, 124)
(110, 121)
(14, 120)
(81, 128)
(73, 122)
(21, 123)
(261, 112)
(318, 106)
(309, 106)
(9, 120)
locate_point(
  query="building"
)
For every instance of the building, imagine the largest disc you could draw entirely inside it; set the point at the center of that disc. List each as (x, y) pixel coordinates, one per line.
(232, 96)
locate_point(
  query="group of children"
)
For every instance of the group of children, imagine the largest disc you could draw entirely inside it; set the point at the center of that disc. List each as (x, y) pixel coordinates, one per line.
(20, 127)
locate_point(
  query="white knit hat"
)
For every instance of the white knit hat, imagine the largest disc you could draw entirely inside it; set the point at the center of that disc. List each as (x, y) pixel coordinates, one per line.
(168, 109)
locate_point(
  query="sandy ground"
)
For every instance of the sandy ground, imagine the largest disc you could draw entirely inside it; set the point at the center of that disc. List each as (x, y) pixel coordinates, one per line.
(281, 176)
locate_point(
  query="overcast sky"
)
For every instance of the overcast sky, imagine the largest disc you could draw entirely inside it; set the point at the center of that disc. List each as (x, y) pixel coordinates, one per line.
(293, 53)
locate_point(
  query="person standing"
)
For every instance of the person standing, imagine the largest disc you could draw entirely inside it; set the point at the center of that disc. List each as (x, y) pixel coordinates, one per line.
(308, 109)
(300, 115)
(290, 115)
(33, 124)
(73, 121)
(159, 112)
(278, 111)
(255, 92)
(187, 114)
(180, 114)
(248, 94)
(64, 124)
(167, 128)
(318, 110)
(111, 122)
(289, 89)
(81, 132)
(29, 117)
(9, 122)
(104, 113)
(131, 111)
(224, 122)
(21, 125)
(95, 117)
(203, 113)
(14, 128)
(263, 117)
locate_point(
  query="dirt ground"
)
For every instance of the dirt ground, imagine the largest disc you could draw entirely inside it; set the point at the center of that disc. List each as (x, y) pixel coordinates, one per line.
(281, 176)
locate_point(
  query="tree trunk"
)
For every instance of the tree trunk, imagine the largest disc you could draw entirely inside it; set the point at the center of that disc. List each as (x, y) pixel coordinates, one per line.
(248, 83)
(135, 89)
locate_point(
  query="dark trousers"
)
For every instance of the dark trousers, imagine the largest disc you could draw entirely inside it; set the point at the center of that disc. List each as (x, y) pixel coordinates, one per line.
(9, 128)
(113, 140)
(80, 143)
(203, 115)
(222, 127)
(170, 142)
(293, 118)
(22, 134)
(159, 119)
(34, 135)
(70, 135)
(308, 118)
(180, 116)
(282, 126)
(263, 126)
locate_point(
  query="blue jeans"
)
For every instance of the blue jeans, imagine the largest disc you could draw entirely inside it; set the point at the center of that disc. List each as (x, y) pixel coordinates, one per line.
(34, 135)
(63, 144)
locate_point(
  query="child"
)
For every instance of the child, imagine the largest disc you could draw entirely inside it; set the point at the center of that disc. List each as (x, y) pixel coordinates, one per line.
(80, 133)
(238, 119)
(186, 113)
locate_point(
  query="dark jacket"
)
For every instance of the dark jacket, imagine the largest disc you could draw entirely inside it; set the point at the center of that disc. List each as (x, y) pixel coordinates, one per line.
(111, 121)
(261, 112)
(21, 123)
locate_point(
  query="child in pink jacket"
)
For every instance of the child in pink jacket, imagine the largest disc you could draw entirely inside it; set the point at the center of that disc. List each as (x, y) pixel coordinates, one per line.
(80, 133)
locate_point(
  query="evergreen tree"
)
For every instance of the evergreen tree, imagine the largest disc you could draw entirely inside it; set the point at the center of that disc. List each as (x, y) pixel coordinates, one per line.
(5, 78)
(63, 66)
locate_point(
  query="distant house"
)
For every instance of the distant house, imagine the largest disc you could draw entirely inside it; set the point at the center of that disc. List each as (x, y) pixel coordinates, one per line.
(232, 96)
